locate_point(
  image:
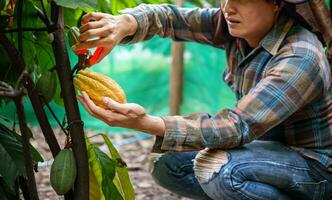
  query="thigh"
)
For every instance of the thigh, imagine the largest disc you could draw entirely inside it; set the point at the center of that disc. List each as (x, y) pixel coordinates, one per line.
(269, 163)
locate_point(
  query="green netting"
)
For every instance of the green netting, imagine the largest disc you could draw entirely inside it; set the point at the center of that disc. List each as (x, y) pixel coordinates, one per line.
(143, 71)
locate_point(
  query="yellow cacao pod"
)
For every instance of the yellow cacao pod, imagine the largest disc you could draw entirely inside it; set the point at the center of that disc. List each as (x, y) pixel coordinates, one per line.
(98, 86)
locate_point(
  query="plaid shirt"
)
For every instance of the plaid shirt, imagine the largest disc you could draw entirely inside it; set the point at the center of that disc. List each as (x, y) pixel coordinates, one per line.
(282, 86)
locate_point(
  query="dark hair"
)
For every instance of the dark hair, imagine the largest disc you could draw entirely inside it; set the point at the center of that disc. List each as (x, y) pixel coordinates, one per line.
(276, 1)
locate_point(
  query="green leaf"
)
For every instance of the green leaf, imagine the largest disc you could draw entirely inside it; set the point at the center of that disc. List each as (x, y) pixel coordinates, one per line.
(94, 188)
(94, 164)
(2, 4)
(122, 180)
(57, 97)
(104, 6)
(72, 16)
(8, 72)
(104, 169)
(36, 157)
(29, 51)
(44, 56)
(11, 154)
(117, 5)
(7, 192)
(75, 4)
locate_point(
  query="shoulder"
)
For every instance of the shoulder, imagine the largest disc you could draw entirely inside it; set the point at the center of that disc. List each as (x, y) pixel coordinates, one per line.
(301, 42)
(303, 50)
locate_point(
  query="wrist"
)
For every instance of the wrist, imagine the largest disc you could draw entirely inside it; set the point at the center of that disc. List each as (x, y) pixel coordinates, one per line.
(132, 24)
(153, 125)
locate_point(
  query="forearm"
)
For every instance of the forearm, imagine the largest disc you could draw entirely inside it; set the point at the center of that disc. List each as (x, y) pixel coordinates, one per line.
(169, 21)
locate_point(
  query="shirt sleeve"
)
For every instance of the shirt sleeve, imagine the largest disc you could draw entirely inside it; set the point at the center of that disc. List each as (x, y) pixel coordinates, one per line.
(180, 24)
(290, 83)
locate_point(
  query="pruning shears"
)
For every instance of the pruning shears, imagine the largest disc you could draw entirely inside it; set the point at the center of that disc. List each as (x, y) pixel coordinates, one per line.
(86, 59)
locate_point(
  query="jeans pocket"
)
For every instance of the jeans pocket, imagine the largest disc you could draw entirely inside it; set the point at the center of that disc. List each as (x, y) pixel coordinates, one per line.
(310, 190)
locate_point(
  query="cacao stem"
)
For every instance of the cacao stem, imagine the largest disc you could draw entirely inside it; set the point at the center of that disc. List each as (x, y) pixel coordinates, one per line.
(81, 188)
(55, 117)
(26, 149)
(42, 14)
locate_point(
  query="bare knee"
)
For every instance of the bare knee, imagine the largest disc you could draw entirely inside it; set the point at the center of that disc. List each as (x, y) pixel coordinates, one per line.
(207, 162)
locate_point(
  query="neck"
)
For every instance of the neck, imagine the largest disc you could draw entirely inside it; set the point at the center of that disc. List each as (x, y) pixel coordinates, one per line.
(253, 43)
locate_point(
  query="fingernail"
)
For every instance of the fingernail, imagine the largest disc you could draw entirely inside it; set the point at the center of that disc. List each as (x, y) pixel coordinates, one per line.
(106, 99)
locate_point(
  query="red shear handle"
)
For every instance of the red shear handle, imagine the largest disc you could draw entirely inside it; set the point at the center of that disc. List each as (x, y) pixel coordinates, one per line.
(92, 60)
(82, 51)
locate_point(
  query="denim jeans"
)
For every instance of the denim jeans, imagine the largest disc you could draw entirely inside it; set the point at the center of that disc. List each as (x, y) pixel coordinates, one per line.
(260, 170)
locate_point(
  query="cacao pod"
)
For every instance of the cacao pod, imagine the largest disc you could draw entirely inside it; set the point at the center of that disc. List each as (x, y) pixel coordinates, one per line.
(46, 85)
(98, 86)
(63, 172)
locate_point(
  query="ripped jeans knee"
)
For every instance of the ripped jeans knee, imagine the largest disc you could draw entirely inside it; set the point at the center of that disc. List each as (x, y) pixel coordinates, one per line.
(207, 162)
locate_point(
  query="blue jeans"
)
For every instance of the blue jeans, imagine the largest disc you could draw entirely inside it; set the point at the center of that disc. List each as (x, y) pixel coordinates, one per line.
(260, 170)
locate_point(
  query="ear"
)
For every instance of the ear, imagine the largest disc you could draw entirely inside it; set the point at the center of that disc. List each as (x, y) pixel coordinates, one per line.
(278, 6)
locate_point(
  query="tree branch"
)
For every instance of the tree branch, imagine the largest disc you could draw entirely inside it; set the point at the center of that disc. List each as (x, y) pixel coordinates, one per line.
(42, 14)
(9, 94)
(81, 188)
(26, 149)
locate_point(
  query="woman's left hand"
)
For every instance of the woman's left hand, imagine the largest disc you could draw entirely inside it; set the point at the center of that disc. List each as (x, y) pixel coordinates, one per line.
(127, 115)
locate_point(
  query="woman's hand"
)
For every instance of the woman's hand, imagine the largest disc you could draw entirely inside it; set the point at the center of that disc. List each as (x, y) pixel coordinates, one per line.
(128, 115)
(105, 31)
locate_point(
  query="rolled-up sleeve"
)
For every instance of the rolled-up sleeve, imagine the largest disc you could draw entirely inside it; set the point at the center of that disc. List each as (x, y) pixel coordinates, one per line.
(290, 83)
(180, 24)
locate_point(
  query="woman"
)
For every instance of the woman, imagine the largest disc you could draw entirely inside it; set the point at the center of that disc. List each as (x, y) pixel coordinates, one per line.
(277, 141)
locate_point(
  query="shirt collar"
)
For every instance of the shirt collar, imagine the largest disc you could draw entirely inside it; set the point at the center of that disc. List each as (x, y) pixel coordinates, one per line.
(273, 39)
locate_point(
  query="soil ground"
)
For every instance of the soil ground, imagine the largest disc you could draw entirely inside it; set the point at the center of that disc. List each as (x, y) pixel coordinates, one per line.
(134, 154)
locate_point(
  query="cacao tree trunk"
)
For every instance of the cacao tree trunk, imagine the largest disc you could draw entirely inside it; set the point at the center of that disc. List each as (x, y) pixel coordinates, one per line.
(81, 189)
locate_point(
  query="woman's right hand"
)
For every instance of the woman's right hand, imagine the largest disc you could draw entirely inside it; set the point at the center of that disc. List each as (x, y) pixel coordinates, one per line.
(104, 31)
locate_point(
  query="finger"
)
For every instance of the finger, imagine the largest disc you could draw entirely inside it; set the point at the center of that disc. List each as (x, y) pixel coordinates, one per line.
(96, 110)
(92, 16)
(116, 106)
(108, 116)
(91, 33)
(82, 101)
(91, 25)
(92, 44)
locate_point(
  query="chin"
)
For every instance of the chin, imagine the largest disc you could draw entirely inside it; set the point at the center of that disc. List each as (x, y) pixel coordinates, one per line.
(235, 33)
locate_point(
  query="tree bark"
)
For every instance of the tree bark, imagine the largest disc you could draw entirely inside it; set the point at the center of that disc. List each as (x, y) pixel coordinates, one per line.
(81, 189)
(26, 149)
